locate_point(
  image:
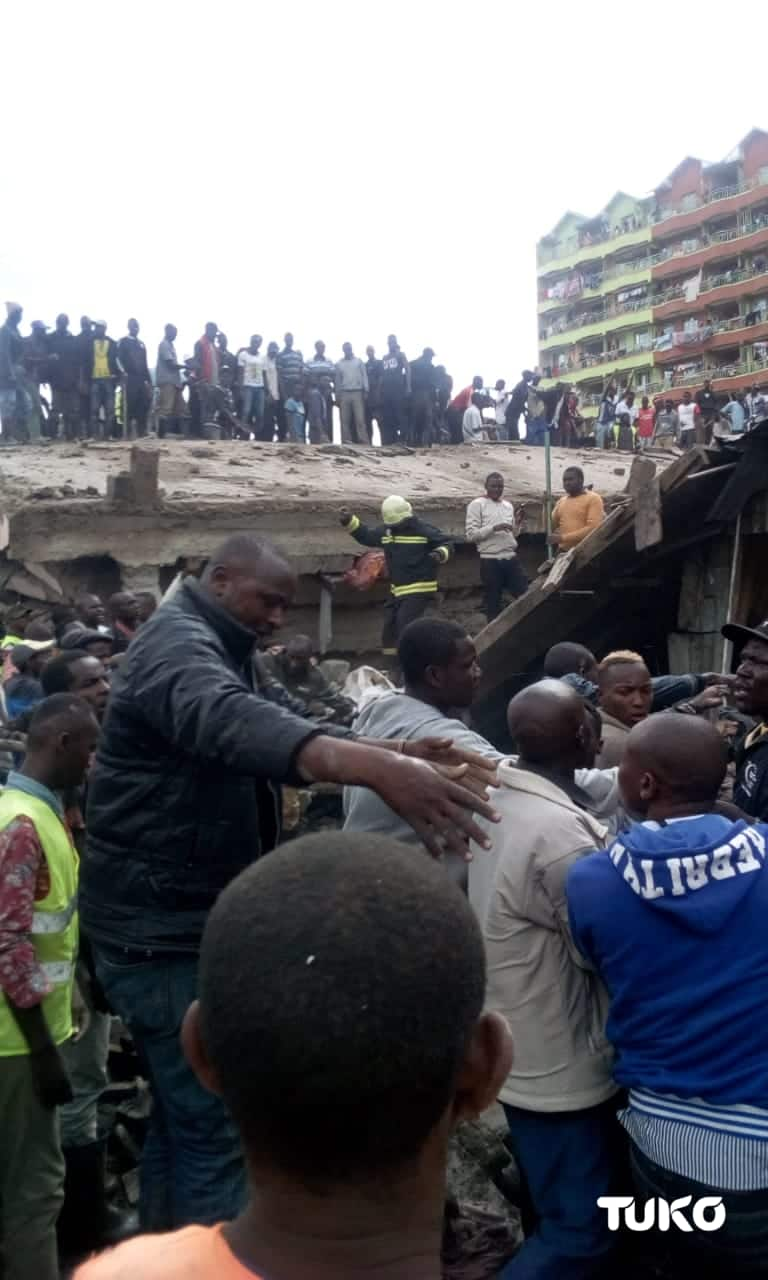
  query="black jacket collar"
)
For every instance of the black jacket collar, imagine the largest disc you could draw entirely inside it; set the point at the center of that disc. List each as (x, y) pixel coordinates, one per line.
(237, 639)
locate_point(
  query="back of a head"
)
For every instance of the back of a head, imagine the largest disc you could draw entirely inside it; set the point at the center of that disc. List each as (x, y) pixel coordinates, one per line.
(685, 754)
(336, 1026)
(546, 722)
(57, 674)
(568, 658)
(427, 642)
(61, 712)
(38, 630)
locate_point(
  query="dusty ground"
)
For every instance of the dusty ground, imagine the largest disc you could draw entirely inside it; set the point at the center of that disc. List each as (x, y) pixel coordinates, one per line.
(280, 475)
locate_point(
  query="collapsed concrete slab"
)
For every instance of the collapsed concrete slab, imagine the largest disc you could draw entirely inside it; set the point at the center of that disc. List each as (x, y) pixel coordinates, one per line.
(191, 495)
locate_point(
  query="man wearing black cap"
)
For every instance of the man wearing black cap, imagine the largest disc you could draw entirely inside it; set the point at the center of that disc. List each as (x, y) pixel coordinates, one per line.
(750, 694)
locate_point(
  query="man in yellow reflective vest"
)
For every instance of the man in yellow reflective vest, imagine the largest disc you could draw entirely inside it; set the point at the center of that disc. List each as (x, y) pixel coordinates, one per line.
(413, 549)
(38, 950)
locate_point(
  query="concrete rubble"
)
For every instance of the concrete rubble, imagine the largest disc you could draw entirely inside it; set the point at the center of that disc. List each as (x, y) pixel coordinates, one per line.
(102, 517)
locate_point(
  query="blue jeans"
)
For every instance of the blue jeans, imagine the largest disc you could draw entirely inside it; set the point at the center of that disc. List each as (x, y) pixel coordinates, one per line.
(192, 1168)
(294, 417)
(603, 433)
(85, 1062)
(567, 1159)
(253, 408)
(536, 430)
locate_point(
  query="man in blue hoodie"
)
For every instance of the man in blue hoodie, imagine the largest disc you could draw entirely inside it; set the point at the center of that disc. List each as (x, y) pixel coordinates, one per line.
(673, 919)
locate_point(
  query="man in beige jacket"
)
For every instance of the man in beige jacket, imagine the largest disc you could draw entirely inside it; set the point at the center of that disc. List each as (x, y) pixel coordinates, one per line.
(559, 1095)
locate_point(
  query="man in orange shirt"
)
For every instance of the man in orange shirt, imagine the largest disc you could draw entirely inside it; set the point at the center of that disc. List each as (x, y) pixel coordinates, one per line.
(318, 1025)
(577, 514)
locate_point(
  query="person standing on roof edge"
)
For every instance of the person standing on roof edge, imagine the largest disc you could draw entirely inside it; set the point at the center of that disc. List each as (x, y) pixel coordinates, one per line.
(492, 525)
(395, 389)
(707, 402)
(577, 513)
(413, 549)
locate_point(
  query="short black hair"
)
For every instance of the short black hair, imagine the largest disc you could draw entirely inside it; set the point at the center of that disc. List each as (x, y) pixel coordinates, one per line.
(494, 475)
(336, 1029)
(57, 674)
(65, 708)
(427, 642)
(574, 471)
(242, 549)
(566, 658)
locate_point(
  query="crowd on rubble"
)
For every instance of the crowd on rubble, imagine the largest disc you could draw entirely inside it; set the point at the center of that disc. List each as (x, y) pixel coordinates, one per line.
(60, 385)
(569, 921)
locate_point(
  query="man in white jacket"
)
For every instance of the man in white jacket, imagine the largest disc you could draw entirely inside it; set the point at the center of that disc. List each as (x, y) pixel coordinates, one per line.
(492, 526)
(559, 1096)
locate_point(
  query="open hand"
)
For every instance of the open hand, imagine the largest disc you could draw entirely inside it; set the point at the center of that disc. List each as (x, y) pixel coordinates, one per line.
(439, 809)
(443, 751)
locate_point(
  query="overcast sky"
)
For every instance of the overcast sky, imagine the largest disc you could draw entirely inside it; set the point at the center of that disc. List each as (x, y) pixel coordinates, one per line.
(342, 170)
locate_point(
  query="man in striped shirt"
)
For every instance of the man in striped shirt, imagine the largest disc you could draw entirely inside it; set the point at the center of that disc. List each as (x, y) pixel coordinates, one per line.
(673, 920)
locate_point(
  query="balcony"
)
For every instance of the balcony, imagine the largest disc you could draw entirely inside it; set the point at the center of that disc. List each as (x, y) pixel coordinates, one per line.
(710, 249)
(610, 320)
(731, 199)
(606, 363)
(620, 275)
(568, 254)
(722, 288)
(715, 336)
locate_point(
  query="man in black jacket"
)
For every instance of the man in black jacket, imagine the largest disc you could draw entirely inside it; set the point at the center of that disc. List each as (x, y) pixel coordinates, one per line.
(184, 794)
(132, 355)
(413, 550)
(750, 693)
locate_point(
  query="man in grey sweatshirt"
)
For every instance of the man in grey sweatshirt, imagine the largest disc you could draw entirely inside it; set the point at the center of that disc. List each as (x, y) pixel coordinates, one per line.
(441, 676)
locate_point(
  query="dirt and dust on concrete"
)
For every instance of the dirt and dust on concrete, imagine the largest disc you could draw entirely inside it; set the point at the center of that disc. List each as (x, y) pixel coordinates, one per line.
(289, 476)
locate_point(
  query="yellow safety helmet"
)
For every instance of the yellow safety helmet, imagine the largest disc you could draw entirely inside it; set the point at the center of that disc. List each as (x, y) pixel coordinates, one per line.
(395, 509)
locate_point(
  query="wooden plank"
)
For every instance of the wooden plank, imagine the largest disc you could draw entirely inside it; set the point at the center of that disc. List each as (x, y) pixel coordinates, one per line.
(641, 473)
(649, 530)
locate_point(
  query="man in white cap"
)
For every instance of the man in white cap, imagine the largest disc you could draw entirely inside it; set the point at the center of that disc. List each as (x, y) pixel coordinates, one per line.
(413, 550)
(11, 385)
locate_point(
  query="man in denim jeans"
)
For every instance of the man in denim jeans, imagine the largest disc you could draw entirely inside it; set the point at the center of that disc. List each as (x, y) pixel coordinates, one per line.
(101, 370)
(183, 795)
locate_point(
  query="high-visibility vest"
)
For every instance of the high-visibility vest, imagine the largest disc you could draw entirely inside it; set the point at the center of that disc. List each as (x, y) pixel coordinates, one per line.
(54, 933)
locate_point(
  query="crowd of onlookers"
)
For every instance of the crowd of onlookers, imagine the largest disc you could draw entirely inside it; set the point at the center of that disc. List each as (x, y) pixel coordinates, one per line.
(58, 384)
(603, 980)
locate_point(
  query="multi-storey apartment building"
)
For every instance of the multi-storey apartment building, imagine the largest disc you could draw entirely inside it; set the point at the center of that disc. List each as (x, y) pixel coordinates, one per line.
(672, 287)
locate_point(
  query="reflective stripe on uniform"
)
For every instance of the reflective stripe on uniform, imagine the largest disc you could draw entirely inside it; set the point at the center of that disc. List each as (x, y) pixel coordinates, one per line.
(391, 537)
(53, 921)
(58, 971)
(414, 589)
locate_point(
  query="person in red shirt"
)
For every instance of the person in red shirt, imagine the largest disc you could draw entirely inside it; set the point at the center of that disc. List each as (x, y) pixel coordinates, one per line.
(320, 1028)
(645, 421)
(458, 406)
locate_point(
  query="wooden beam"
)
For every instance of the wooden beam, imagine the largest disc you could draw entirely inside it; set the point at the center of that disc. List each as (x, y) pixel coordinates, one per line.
(649, 529)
